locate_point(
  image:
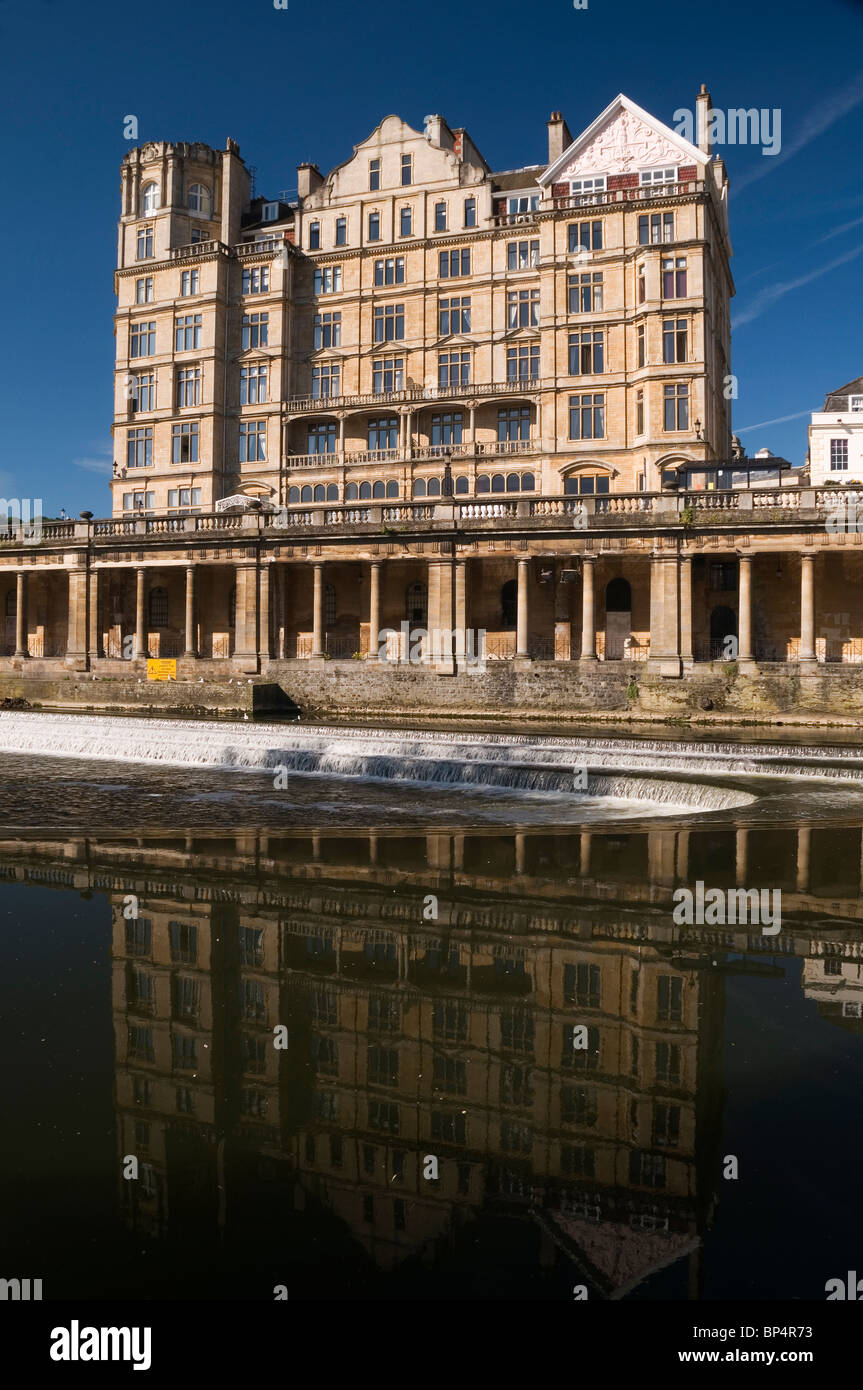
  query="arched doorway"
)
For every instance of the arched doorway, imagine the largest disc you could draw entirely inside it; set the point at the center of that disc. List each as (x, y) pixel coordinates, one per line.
(618, 618)
(723, 624)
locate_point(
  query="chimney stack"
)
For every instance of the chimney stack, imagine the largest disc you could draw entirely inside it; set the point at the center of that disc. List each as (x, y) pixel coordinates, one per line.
(703, 107)
(559, 138)
(309, 178)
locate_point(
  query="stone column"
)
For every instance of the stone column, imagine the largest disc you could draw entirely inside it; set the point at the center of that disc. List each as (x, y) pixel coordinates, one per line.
(804, 849)
(520, 852)
(21, 614)
(685, 608)
(246, 630)
(140, 636)
(374, 609)
(585, 843)
(461, 650)
(664, 657)
(807, 609)
(191, 643)
(681, 864)
(282, 581)
(94, 638)
(744, 609)
(264, 638)
(318, 613)
(588, 610)
(741, 857)
(76, 640)
(522, 637)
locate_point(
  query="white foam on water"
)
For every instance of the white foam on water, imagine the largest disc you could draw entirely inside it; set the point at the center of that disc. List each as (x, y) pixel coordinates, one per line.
(523, 764)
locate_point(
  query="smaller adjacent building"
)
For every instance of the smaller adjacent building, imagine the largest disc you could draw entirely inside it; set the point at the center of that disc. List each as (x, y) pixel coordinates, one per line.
(836, 437)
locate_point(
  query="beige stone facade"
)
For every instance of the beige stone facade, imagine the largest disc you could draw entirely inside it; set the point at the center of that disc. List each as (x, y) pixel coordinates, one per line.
(561, 327)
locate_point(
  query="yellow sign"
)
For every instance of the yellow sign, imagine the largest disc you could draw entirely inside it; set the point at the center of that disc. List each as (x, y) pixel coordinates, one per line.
(162, 670)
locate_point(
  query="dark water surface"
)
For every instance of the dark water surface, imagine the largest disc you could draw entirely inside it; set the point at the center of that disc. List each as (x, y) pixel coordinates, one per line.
(429, 956)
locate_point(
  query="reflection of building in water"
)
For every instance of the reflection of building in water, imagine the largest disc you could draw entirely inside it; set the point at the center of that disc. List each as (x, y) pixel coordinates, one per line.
(407, 1039)
(450, 1038)
(833, 978)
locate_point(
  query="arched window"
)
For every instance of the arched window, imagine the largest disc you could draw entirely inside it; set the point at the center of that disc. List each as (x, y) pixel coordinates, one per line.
(513, 482)
(149, 199)
(332, 492)
(200, 200)
(365, 491)
(379, 490)
(11, 604)
(509, 603)
(618, 596)
(352, 492)
(482, 483)
(417, 605)
(158, 608)
(392, 488)
(320, 492)
(293, 495)
(434, 487)
(329, 605)
(528, 482)
(232, 607)
(306, 494)
(462, 485)
(419, 487)
(498, 483)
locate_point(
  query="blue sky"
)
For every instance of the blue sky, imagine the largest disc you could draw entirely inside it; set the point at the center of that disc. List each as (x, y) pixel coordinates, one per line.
(310, 81)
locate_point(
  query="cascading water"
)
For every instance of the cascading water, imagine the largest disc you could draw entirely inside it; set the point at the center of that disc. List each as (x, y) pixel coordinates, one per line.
(622, 770)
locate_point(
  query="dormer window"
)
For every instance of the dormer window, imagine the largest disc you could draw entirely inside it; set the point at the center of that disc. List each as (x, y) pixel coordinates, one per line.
(595, 184)
(855, 404)
(269, 212)
(149, 199)
(651, 177)
(200, 200)
(522, 202)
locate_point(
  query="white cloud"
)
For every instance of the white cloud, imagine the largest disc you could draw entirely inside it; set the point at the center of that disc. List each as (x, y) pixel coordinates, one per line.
(821, 118)
(767, 297)
(780, 420)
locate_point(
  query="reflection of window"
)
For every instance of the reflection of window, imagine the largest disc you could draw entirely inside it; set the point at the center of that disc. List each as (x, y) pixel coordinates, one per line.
(581, 984)
(184, 942)
(666, 1125)
(383, 1066)
(669, 999)
(578, 1105)
(668, 1063)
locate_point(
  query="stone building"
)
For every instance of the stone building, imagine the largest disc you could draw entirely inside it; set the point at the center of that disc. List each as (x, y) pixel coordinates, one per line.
(836, 437)
(426, 398)
(560, 328)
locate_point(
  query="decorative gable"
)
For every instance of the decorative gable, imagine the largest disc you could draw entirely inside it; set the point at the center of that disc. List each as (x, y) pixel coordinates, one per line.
(621, 142)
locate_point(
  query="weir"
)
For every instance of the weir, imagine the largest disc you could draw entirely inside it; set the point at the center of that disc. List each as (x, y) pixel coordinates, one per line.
(672, 775)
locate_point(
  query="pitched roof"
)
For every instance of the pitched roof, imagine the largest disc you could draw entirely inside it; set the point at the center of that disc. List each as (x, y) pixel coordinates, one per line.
(622, 103)
(517, 178)
(838, 400)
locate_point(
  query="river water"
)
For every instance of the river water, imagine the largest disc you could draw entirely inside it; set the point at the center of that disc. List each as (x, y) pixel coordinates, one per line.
(378, 1013)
